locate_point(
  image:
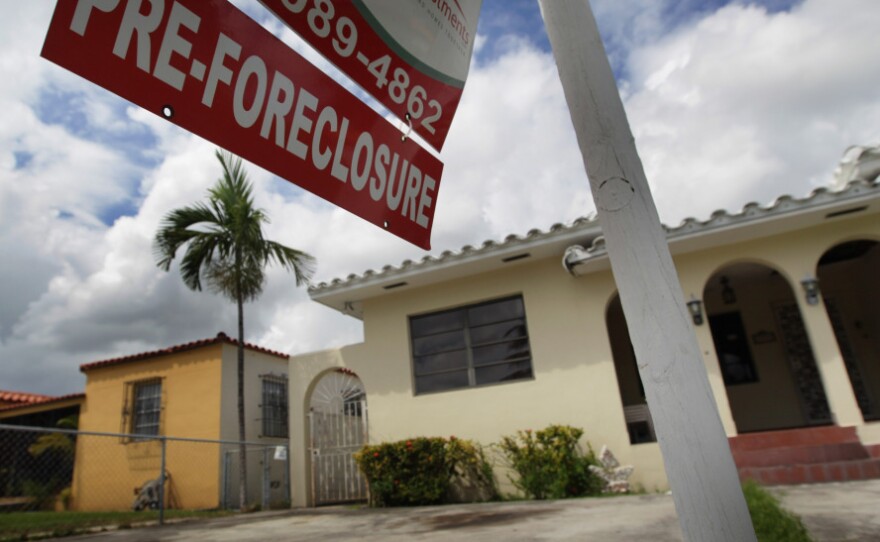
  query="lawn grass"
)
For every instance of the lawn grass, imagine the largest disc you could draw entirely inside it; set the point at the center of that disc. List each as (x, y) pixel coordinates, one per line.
(772, 522)
(20, 525)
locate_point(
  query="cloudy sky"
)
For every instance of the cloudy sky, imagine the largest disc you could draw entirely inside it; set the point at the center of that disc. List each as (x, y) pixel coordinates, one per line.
(730, 102)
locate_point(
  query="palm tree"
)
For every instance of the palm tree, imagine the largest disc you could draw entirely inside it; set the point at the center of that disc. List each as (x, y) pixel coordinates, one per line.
(225, 247)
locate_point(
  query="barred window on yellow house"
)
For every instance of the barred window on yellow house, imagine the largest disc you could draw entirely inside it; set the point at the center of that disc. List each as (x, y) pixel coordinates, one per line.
(142, 413)
(274, 406)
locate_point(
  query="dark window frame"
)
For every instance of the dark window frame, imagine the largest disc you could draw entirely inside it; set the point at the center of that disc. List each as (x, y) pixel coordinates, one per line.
(274, 407)
(471, 367)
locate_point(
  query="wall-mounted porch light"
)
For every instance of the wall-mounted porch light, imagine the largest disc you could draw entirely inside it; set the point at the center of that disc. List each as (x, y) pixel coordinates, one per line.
(811, 290)
(695, 307)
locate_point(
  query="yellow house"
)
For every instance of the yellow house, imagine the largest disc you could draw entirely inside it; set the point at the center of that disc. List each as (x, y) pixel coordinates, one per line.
(22, 408)
(18, 464)
(529, 331)
(184, 391)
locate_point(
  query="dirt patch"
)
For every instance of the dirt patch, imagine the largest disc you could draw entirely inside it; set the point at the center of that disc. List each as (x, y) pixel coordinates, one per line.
(481, 519)
(827, 527)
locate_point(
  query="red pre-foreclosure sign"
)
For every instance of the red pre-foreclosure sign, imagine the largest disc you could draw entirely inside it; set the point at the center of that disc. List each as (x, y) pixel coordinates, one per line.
(411, 55)
(209, 68)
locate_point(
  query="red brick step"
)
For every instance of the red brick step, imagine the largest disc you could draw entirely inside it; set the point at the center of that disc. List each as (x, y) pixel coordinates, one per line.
(830, 434)
(795, 455)
(808, 455)
(816, 473)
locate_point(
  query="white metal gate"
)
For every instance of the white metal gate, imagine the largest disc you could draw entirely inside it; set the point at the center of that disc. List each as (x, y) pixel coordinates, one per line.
(338, 429)
(268, 477)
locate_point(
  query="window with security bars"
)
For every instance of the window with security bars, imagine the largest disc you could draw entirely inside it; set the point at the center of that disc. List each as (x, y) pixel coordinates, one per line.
(476, 345)
(146, 408)
(274, 407)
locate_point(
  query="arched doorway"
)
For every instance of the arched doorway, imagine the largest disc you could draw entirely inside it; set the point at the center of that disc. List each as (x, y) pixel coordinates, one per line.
(848, 275)
(763, 350)
(337, 429)
(632, 393)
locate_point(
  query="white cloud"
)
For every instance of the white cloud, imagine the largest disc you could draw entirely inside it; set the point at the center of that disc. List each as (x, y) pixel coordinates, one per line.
(731, 106)
(747, 105)
(511, 158)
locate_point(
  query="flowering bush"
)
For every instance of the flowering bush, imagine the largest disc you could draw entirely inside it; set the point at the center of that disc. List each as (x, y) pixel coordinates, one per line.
(549, 463)
(422, 470)
(473, 476)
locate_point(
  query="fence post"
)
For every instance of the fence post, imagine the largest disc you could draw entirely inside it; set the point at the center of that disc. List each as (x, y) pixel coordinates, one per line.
(266, 476)
(224, 495)
(289, 491)
(164, 442)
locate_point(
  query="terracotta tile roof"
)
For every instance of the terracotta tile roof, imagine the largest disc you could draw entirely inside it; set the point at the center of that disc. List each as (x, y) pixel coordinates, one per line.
(22, 397)
(34, 399)
(752, 211)
(856, 190)
(583, 224)
(220, 338)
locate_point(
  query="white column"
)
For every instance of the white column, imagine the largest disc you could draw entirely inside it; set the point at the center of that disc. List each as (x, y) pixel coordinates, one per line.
(835, 378)
(703, 333)
(699, 465)
(298, 448)
(716, 379)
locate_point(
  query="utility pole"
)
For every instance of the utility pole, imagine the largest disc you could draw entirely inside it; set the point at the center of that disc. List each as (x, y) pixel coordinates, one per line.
(705, 485)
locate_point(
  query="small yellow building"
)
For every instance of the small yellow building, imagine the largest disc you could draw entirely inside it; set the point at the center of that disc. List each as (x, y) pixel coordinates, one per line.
(184, 391)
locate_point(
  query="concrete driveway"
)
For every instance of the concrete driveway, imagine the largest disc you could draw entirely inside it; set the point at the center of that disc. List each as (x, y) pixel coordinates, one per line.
(832, 512)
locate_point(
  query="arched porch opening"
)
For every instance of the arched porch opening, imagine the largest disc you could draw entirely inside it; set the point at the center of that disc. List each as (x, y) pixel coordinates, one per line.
(337, 422)
(764, 352)
(632, 392)
(848, 274)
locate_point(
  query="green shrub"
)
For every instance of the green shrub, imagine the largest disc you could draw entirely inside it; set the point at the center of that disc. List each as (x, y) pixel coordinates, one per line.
(65, 496)
(473, 478)
(772, 522)
(42, 493)
(421, 471)
(549, 463)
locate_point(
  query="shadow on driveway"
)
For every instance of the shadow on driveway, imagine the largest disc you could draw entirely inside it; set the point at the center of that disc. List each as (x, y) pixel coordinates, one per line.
(840, 512)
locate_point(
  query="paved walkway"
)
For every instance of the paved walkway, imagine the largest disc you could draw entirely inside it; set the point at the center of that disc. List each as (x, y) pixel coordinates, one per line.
(832, 512)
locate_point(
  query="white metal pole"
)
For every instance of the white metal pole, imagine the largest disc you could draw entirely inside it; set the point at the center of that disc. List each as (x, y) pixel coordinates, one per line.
(164, 442)
(705, 485)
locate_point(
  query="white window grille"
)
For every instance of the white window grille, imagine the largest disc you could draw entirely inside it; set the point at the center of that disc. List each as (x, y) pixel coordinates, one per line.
(146, 407)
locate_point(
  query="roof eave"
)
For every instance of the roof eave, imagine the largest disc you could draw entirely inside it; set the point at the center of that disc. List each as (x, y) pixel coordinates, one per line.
(220, 340)
(55, 403)
(784, 214)
(346, 296)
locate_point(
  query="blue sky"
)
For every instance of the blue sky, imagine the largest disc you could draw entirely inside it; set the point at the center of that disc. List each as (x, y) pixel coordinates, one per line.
(730, 102)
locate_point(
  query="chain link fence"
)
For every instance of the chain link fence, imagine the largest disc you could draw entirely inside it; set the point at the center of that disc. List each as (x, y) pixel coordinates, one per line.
(60, 469)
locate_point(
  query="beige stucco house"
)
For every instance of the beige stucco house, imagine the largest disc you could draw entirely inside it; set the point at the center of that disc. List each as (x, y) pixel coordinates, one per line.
(529, 331)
